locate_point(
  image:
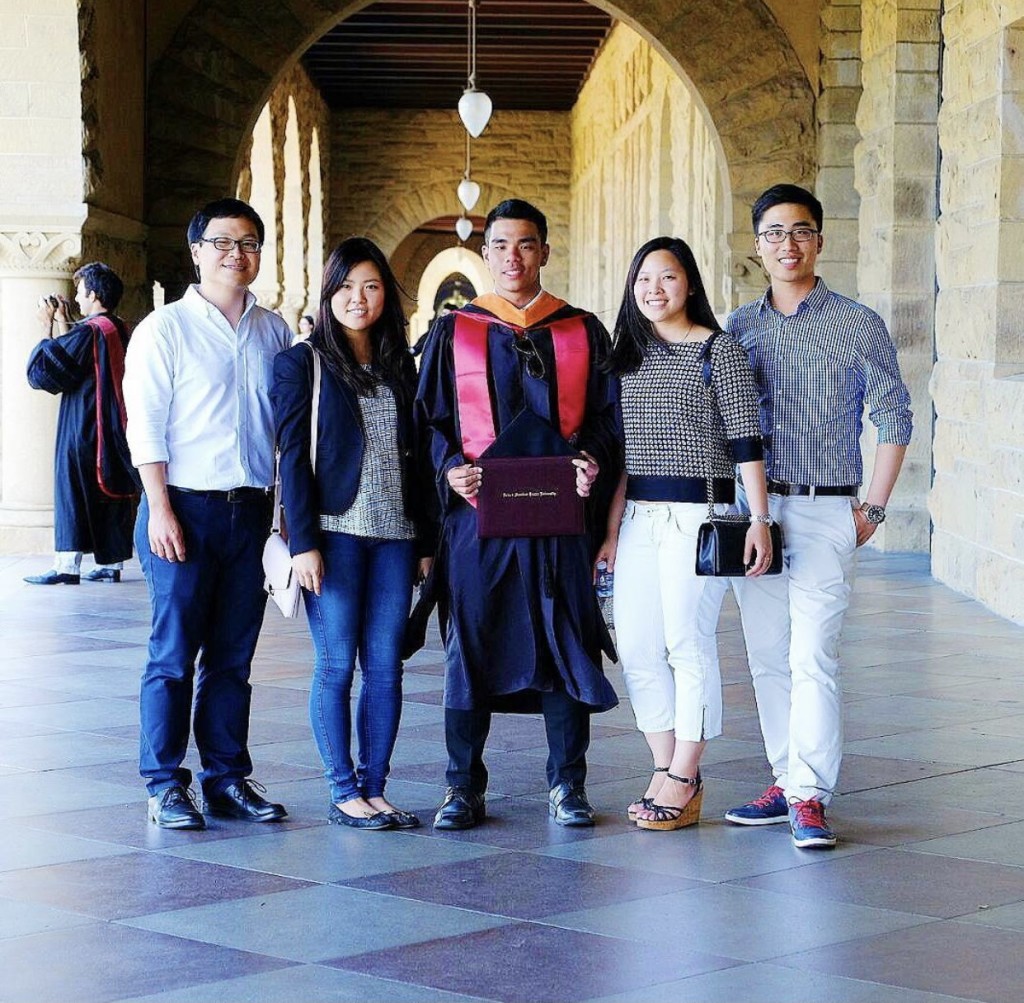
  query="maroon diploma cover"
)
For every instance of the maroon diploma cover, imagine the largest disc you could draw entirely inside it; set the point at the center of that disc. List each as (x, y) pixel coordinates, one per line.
(529, 496)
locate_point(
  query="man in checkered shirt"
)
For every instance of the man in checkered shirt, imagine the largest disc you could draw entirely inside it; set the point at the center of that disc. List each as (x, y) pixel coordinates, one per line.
(818, 359)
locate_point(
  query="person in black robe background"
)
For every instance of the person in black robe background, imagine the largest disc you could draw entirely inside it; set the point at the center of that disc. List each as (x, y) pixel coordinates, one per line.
(524, 632)
(95, 490)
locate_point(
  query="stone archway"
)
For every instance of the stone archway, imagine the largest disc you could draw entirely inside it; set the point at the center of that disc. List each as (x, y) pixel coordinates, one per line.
(224, 60)
(452, 259)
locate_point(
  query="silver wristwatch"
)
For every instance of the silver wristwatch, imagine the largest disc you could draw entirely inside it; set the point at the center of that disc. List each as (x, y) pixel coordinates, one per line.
(764, 520)
(875, 514)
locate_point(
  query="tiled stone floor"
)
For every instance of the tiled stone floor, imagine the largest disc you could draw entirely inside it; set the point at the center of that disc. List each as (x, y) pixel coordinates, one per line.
(923, 900)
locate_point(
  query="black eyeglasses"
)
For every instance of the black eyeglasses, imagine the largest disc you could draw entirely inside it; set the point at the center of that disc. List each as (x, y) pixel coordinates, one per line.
(248, 244)
(528, 350)
(776, 235)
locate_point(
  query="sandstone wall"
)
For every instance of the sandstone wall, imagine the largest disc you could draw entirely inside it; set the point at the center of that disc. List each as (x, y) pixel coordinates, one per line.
(645, 163)
(977, 498)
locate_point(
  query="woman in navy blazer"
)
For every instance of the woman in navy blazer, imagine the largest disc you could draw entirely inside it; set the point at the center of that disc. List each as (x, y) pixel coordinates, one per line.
(357, 523)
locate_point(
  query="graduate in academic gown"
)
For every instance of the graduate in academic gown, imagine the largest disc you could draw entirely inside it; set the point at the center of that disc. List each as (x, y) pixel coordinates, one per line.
(524, 631)
(95, 489)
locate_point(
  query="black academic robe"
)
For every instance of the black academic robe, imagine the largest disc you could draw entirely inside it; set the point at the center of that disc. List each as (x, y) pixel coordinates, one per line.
(85, 518)
(522, 614)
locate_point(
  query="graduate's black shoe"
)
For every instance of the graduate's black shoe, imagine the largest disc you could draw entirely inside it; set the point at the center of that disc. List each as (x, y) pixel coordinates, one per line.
(460, 809)
(53, 578)
(103, 575)
(568, 805)
(241, 800)
(174, 808)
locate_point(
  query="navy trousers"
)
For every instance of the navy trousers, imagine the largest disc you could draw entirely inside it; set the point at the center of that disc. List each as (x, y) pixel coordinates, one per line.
(566, 721)
(208, 607)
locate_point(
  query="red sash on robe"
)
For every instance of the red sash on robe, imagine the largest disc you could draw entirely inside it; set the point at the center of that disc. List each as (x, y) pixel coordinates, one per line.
(105, 329)
(473, 399)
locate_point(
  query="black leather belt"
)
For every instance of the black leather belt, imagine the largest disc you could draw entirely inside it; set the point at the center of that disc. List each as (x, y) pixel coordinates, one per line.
(234, 495)
(809, 490)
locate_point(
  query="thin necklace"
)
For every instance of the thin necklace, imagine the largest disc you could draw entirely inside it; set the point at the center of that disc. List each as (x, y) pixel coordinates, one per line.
(685, 339)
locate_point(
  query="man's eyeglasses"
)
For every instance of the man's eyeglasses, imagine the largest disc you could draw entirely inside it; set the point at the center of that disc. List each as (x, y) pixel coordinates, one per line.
(248, 244)
(528, 350)
(776, 235)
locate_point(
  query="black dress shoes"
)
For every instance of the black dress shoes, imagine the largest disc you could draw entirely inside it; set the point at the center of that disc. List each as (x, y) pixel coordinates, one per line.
(103, 575)
(53, 578)
(460, 809)
(174, 808)
(241, 800)
(379, 820)
(568, 805)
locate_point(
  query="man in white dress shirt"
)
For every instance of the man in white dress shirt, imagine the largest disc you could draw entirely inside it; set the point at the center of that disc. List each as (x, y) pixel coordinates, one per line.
(200, 429)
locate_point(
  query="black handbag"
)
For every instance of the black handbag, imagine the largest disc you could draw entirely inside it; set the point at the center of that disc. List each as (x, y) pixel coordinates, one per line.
(722, 539)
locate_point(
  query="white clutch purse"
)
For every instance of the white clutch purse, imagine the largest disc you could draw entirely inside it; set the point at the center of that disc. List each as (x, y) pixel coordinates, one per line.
(281, 583)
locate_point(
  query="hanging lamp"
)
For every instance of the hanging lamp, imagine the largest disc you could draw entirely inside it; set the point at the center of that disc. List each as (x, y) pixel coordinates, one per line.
(468, 190)
(474, 106)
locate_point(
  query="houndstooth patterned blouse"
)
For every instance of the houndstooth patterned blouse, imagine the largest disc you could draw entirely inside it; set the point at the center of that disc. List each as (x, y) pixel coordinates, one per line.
(664, 411)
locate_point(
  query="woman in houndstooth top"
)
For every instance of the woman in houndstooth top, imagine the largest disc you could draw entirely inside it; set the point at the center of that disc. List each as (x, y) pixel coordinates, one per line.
(665, 615)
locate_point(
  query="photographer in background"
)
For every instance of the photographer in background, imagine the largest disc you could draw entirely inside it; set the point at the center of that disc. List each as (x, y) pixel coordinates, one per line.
(95, 487)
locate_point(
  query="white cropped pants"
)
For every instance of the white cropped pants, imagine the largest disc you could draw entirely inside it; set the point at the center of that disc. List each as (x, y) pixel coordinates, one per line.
(665, 621)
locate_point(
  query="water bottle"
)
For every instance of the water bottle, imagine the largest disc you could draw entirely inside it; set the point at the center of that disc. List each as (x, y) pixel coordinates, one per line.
(604, 581)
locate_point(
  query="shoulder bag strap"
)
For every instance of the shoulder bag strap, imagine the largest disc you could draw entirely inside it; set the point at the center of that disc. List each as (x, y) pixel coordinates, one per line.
(705, 370)
(314, 418)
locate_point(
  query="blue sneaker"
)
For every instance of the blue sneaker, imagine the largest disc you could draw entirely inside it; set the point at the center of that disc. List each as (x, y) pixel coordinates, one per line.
(769, 809)
(807, 822)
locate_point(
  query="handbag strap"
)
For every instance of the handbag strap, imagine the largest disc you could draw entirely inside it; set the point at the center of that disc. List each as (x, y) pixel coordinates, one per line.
(315, 413)
(275, 526)
(705, 370)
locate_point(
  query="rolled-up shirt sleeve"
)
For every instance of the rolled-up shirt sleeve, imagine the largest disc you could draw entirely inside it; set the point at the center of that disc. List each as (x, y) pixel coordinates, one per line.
(148, 390)
(885, 394)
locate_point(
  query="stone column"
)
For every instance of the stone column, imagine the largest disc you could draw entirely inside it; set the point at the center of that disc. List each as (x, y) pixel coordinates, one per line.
(33, 263)
(839, 92)
(977, 498)
(42, 163)
(895, 164)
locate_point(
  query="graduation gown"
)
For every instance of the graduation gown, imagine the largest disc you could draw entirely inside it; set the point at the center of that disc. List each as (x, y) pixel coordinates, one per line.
(77, 366)
(522, 614)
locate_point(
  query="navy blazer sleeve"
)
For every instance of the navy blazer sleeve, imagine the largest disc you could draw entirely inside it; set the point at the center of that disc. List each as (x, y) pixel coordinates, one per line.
(291, 399)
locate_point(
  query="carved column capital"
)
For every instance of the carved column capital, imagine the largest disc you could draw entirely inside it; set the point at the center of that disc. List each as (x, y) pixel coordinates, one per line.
(40, 253)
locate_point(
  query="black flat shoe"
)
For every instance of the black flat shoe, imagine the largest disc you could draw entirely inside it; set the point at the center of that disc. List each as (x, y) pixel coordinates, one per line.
(174, 808)
(102, 575)
(460, 809)
(241, 800)
(404, 819)
(53, 578)
(568, 805)
(378, 820)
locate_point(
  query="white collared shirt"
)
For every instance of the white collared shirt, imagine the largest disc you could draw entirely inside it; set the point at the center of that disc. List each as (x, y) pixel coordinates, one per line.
(198, 393)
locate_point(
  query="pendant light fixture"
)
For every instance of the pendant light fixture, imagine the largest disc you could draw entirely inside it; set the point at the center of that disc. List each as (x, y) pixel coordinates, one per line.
(474, 106)
(468, 190)
(464, 227)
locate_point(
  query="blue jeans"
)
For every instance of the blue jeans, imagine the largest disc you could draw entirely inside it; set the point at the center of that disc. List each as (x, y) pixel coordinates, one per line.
(362, 609)
(209, 606)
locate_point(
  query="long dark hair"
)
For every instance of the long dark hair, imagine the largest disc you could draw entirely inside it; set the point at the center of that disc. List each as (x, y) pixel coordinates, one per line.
(634, 333)
(387, 336)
